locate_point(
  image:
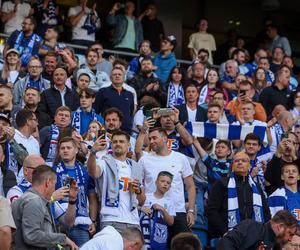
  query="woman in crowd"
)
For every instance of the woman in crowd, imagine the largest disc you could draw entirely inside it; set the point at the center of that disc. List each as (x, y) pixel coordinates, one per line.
(259, 80)
(175, 88)
(295, 106)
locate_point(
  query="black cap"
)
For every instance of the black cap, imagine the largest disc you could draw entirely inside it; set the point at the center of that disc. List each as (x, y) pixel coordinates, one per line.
(5, 116)
(171, 39)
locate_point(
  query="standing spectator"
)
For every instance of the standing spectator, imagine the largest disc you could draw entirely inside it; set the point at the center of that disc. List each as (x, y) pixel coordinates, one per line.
(231, 72)
(121, 193)
(85, 23)
(98, 78)
(85, 114)
(175, 90)
(11, 71)
(163, 159)
(82, 80)
(278, 93)
(186, 241)
(289, 62)
(153, 28)
(191, 111)
(202, 40)
(49, 135)
(260, 80)
(86, 202)
(252, 66)
(198, 74)
(116, 96)
(102, 64)
(264, 63)
(7, 224)
(50, 42)
(46, 14)
(33, 79)
(32, 210)
(13, 13)
(278, 41)
(165, 60)
(236, 198)
(240, 56)
(219, 98)
(32, 98)
(50, 64)
(58, 95)
(25, 41)
(27, 131)
(128, 29)
(277, 58)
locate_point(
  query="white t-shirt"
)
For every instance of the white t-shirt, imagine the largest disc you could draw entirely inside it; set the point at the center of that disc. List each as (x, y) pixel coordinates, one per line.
(191, 114)
(77, 31)
(122, 212)
(165, 202)
(175, 163)
(15, 23)
(13, 74)
(31, 144)
(107, 239)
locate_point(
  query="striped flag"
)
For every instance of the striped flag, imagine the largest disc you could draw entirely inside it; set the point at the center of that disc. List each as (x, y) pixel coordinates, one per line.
(226, 131)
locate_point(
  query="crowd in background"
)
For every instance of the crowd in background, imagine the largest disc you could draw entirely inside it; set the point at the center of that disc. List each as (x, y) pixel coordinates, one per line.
(139, 152)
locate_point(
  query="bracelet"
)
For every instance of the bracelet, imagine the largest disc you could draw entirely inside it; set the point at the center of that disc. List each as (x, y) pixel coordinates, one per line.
(93, 151)
(140, 191)
(176, 123)
(52, 200)
(72, 202)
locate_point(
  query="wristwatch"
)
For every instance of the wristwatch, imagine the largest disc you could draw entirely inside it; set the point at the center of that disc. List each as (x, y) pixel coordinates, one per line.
(191, 211)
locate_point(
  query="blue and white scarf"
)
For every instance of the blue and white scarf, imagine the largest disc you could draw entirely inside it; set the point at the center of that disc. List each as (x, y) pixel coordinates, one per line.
(49, 15)
(27, 48)
(10, 159)
(53, 144)
(203, 94)
(77, 118)
(24, 185)
(233, 203)
(89, 25)
(277, 201)
(173, 97)
(260, 177)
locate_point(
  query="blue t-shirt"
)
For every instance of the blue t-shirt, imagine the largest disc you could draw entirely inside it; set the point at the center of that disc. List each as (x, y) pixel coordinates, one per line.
(293, 204)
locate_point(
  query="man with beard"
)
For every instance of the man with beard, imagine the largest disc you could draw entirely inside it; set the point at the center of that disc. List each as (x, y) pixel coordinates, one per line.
(120, 193)
(250, 234)
(31, 99)
(27, 131)
(50, 63)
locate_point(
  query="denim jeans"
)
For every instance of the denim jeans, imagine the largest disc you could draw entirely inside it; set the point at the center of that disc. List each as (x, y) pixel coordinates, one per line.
(79, 235)
(200, 226)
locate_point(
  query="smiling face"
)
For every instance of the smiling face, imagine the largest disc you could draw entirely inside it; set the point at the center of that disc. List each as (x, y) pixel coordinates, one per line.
(119, 145)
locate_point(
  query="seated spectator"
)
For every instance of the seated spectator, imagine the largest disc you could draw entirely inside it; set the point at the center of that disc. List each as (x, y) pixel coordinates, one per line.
(25, 41)
(116, 96)
(46, 14)
(185, 241)
(82, 80)
(223, 64)
(245, 94)
(32, 98)
(295, 106)
(175, 88)
(286, 153)
(277, 58)
(68, 58)
(98, 78)
(50, 41)
(233, 200)
(212, 82)
(202, 40)
(153, 27)
(35, 202)
(260, 80)
(7, 224)
(58, 95)
(240, 56)
(240, 44)
(191, 111)
(218, 97)
(85, 23)
(159, 210)
(278, 93)
(49, 135)
(203, 56)
(231, 71)
(165, 60)
(128, 29)
(103, 64)
(85, 114)
(33, 79)
(135, 64)
(264, 63)
(287, 197)
(254, 64)
(278, 41)
(13, 13)
(11, 71)
(50, 64)
(288, 61)
(198, 74)
(293, 244)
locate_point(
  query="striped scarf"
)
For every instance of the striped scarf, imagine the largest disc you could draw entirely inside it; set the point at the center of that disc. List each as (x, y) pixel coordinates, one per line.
(233, 203)
(173, 97)
(49, 16)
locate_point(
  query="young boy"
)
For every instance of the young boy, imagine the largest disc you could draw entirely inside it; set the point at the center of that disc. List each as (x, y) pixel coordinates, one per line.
(158, 213)
(287, 197)
(216, 168)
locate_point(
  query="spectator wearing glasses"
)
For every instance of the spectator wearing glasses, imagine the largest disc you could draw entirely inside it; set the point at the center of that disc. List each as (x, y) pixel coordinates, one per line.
(33, 79)
(25, 41)
(85, 114)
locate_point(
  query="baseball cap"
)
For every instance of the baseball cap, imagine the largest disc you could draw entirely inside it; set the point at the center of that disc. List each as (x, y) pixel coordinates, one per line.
(171, 39)
(12, 50)
(5, 117)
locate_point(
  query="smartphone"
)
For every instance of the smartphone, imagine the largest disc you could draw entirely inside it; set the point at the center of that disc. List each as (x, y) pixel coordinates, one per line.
(165, 111)
(68, 181)
(102, 133)
(242, 92)
(149, 114)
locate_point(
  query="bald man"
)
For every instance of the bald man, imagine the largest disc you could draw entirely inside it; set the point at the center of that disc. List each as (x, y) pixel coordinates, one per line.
(247, 199)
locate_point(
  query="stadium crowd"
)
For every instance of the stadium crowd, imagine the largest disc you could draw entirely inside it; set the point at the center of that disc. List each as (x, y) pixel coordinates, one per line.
(145, 154)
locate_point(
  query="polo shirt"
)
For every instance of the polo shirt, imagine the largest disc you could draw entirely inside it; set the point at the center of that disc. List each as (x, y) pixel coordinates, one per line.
(31, 144)
(110, 97)
(272, 96)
